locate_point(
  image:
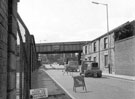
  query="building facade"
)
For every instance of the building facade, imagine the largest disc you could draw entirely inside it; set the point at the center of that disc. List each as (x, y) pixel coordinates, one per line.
(114, 51)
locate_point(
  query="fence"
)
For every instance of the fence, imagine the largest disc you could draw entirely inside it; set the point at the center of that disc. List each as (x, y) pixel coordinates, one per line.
(27, 58)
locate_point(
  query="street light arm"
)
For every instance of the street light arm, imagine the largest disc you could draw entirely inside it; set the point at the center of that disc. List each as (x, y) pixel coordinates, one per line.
(99, 3)
(95, 2)
(106, 5)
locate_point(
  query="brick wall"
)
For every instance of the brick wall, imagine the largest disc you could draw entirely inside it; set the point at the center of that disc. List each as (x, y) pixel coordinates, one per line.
(125, 57)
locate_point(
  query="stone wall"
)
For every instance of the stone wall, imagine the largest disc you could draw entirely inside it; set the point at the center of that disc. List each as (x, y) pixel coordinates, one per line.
(8, 30)
(3, 47)
(12, 31)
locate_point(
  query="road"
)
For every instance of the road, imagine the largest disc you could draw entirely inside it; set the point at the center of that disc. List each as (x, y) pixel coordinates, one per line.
(97, 88)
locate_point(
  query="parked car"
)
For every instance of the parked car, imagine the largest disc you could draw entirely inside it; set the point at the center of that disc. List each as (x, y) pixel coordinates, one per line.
(84, 66)
(72, 66)
(90, 69)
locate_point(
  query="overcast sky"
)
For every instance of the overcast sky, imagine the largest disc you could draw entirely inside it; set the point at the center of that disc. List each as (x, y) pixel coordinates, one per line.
(73, 20)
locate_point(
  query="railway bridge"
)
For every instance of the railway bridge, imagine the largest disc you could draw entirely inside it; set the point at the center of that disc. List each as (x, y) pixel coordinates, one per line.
(61, 47)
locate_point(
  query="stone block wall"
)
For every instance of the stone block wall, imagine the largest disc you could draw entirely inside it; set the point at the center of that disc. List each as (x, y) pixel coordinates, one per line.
(3, 47)
(8, 30)
(12, 32)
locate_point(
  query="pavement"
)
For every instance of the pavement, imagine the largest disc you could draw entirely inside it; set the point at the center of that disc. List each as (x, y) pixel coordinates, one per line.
(40, 79)
(120, 76)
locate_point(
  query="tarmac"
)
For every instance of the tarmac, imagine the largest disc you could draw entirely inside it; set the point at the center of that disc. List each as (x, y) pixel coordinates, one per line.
(86, 95)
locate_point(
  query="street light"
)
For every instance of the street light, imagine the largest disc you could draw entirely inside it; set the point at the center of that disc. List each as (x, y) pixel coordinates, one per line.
(106, 13)
(109, 52)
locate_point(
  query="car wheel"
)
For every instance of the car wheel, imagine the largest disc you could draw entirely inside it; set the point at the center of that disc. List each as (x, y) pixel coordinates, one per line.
(99, 75)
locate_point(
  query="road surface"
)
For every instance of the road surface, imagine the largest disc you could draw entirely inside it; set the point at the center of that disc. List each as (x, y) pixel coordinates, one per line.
(97, 88)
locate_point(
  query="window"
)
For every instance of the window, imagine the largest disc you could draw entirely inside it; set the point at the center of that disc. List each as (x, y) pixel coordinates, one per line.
(106, 60)
(94, 46)
(95, 59)
(105, 42)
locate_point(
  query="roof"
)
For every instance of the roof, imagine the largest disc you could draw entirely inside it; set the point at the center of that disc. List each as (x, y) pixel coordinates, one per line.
(111, 31)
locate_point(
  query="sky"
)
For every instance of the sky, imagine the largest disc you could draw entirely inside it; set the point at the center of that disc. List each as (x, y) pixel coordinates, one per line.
(73, 20)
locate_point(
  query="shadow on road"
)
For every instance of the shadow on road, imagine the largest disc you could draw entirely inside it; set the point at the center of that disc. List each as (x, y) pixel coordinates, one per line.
(103, 77)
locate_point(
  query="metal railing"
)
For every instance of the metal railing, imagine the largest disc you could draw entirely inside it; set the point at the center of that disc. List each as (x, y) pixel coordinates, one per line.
(27, 58)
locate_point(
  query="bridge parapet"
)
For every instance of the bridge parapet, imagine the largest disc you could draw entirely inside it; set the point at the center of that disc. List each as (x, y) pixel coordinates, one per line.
(61, 47)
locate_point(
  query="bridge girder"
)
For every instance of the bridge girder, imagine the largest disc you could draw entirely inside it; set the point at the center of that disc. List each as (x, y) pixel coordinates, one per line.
(61, 47)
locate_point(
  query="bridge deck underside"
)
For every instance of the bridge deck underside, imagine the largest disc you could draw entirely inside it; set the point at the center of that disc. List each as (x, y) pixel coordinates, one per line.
(59, 48)
(55, 52)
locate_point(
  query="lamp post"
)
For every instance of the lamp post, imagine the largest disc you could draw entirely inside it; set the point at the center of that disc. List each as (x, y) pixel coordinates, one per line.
(109, 52)
(106, 13)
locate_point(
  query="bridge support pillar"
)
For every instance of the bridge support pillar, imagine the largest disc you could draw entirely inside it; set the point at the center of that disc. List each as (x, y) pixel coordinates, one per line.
(79, 58)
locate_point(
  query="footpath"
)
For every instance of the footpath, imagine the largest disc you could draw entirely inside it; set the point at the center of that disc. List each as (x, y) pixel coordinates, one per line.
(120, 76)
(41, 79)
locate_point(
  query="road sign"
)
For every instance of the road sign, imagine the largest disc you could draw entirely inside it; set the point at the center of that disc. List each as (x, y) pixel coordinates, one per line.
(79, 82)
(39, 93)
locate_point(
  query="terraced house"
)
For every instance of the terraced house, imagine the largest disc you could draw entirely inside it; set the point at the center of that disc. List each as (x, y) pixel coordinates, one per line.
(114, 51)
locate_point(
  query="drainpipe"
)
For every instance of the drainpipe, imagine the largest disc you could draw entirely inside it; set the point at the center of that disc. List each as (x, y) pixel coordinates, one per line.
(99, 52)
